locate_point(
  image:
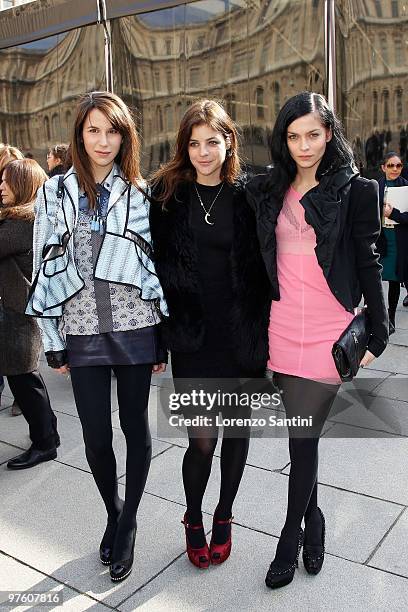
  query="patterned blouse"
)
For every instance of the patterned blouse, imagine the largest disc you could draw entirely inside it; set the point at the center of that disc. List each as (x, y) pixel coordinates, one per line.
(101, 307)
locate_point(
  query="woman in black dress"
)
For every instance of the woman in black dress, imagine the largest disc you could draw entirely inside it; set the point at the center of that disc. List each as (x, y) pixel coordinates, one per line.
(208, 261)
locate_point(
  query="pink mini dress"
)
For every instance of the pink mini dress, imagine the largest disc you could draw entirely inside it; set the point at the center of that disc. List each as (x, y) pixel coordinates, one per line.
(307, 319)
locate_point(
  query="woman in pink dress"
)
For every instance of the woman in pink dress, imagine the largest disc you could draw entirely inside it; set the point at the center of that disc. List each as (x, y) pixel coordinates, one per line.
(317, 223)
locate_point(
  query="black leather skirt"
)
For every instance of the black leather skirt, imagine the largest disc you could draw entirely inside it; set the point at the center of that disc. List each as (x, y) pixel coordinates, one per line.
(132, 347)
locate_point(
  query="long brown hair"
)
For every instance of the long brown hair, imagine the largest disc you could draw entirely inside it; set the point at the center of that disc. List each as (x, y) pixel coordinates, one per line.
(119, 115)
(180, 168)
(24, 177)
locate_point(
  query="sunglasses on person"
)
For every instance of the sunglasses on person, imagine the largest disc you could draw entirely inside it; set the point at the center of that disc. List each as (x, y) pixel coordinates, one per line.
(391, 166)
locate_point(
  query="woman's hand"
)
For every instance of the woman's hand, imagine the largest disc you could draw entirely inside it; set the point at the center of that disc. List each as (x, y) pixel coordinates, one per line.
(62, 370)
(387, 210)
(367, 359)
(159, 368)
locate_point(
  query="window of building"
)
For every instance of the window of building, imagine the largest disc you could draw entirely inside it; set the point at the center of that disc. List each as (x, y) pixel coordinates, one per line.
(398, 104)
(259, 101)
(394, 8)
(157, 80)
(47, 128)
(279, 45)
(276, 98)
(159, 119)
(213, 71)
(239, 64)
(386, 97)
(375, 108)
(378, 8)
(384, 48)
(220, 35)
(264, 60)
(194, 77)
(231, 106)
(399, 52)
(168, 46)
(168, 112)
(154, 46)
(55, 127)
(169, 81)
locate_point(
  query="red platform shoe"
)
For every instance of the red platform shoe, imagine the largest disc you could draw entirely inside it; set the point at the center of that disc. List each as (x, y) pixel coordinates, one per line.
(220, 552)
(200, 557)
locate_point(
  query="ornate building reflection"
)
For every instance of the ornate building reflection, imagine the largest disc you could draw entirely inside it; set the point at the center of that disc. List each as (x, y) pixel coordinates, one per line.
(39, 85)
(252, 54)
(373, 77)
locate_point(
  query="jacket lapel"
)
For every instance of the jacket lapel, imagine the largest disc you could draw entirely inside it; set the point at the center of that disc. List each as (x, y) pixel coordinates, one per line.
(68, 211)
(119, 187)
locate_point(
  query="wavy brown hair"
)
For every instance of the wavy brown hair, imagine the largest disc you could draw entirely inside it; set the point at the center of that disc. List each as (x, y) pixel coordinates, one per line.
(24, 177)
(119, 115)
(180, 168)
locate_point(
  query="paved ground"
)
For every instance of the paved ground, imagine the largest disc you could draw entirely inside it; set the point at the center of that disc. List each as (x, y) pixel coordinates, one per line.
(51, 518)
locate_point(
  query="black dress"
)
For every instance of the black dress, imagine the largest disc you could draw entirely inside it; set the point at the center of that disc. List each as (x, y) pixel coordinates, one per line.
(215, 358)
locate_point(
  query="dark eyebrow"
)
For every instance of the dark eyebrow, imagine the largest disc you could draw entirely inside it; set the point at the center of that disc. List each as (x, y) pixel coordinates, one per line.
(207, 139)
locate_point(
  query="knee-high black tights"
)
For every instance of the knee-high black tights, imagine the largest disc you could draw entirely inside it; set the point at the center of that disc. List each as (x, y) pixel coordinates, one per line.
(197, 468)
(303, 398)
(92, 391)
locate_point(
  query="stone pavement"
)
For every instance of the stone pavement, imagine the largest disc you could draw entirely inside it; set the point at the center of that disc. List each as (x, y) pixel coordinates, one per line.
(51, 517)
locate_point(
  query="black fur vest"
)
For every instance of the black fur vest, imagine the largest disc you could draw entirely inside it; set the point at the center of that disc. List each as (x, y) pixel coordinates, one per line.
(175, 258)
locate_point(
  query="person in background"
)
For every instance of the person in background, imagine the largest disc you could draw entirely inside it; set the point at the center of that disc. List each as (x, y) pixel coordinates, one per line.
(393, 241)
(7, 154)
(20, 341)
(57, 159)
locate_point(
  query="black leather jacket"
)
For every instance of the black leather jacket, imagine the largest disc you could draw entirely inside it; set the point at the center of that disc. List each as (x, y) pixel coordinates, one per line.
(343, 211)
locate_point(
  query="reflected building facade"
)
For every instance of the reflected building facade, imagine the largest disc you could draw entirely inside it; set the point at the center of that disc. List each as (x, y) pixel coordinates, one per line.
(250, 54)
(372, 77)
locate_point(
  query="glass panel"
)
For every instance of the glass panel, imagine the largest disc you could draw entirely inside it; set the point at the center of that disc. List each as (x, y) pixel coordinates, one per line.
(372, 78)
(286, 54)
(40, 83)
(250, 55)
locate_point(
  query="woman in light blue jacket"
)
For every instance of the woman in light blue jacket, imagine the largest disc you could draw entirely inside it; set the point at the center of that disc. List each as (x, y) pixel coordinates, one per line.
(100, 304)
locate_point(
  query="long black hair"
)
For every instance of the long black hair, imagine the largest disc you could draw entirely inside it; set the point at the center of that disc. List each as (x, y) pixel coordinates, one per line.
(338, 151)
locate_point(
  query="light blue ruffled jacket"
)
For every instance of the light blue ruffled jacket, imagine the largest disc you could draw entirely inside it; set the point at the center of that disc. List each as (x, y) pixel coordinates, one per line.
(125, 256)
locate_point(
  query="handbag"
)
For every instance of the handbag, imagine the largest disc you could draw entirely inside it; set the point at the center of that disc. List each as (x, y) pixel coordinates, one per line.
(349, 349)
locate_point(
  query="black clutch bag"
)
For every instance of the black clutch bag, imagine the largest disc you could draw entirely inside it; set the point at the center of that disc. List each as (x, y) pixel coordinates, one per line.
(349, 349)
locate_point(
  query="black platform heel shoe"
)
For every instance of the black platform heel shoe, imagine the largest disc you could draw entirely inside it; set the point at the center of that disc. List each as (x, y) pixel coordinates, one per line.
(313, 556)
(281, 572)
(120, 568)
(106, 545)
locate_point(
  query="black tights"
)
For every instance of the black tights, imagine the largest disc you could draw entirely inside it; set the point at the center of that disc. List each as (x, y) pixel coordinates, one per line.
(393, 297)
(197, 467)
(303, 398)
(92, 391)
